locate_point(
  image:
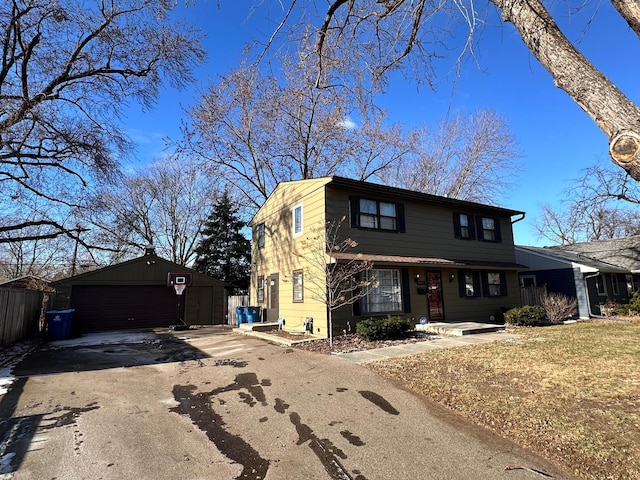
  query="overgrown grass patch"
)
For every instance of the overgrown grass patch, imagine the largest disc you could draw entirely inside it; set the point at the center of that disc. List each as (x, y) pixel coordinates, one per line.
(569, 392)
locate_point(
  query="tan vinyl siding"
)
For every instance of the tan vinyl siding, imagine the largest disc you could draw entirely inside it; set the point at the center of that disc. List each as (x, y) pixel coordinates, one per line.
(429, 233)
(283, 253)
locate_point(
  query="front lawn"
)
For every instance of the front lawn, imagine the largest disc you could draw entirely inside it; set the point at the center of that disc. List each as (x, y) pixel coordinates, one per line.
(569, 392)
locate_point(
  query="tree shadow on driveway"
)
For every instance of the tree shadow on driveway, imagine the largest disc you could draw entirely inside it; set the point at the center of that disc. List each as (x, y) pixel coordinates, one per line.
(101, 351)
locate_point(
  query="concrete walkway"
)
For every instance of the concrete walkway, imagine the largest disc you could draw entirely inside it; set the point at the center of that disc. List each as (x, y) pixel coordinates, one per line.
(435, 343)
(446, 335)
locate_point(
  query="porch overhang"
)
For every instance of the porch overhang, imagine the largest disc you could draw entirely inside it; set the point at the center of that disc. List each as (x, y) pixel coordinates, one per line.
(433, 262)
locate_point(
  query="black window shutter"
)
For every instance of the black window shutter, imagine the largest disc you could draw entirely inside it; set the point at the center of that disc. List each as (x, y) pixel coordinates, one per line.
(496, 223)
(476, 284)
(401, 226)
(456, 225)
(354, 204)
(479, 228)
(472, 226)
(485, 284)
(503, 284)
(406, 287)
(462, 286)
(356, 308)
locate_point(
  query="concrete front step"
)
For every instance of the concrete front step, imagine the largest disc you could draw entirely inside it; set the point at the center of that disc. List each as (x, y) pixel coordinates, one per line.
(459, 329)
(259, 327)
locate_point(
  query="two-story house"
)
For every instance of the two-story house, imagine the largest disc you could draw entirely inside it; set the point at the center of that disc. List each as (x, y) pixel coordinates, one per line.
(432, 257)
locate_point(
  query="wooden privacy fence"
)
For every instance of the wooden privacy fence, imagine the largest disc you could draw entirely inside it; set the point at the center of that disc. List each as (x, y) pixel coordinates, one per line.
(532, 295)
(20, 313)
(233, 302)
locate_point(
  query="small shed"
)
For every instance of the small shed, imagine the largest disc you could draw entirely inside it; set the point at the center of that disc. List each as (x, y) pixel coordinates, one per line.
(135, 294)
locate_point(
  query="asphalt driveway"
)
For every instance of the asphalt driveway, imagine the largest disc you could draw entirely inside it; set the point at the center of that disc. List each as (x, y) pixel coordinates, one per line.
(208, 404)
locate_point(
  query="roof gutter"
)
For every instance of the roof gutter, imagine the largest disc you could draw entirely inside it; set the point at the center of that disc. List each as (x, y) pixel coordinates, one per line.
(519, 219)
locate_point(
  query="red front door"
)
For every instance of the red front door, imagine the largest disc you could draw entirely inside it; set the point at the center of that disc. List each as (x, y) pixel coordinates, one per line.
(434, 296)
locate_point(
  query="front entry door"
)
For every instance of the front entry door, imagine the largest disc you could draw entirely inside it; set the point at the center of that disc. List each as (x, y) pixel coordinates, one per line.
(273, 311)
(434, 296)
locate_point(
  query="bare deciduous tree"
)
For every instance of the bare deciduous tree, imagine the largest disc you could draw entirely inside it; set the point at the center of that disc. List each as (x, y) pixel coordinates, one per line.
(380, 36)
(472, 157)
(603, 203)
(335, 274)
(165, 207)
(67, 69)
(256, 130)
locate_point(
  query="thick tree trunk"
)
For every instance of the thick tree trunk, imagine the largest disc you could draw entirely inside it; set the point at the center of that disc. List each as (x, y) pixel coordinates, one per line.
(613, 112)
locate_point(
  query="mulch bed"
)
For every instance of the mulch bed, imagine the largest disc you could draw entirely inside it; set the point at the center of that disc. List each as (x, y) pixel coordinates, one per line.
(349, 342)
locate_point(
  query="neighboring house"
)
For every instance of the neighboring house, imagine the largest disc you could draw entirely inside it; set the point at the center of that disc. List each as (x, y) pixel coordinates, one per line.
(28, 282)
(591, 272)
(134, 294)
(433, 257)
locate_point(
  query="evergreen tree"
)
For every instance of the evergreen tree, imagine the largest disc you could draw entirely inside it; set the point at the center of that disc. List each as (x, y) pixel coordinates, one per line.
(223, 252)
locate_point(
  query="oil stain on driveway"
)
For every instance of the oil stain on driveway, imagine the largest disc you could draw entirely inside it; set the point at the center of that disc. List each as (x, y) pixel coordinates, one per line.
(209, 404)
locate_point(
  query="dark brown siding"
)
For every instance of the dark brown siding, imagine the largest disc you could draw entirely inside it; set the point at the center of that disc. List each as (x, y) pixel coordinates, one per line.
(123, 307)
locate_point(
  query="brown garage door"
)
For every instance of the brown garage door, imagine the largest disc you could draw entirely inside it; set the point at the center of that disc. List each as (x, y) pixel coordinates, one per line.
(123, 307)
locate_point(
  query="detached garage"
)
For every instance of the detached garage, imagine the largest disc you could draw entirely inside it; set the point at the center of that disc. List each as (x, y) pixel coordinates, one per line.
(135, 294)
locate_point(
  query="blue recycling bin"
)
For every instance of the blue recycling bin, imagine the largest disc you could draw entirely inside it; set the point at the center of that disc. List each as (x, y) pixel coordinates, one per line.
(242, 314)
(59, 323)
(253, 314)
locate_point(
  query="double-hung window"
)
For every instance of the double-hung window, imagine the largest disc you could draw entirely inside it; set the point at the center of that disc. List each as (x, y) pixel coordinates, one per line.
(386, 296)
(469, 283)
(471, 227)
(494, 282)
(377, 214)
(489, 229)
(464, 226)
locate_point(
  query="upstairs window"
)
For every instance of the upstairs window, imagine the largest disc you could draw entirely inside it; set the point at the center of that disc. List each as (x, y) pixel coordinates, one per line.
(488, 229)
(471, 227)
(297, 220)
(377, 215)
(260, 235)
(464, 226)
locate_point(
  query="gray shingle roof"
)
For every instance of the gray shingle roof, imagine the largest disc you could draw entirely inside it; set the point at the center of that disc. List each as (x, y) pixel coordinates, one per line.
(621, 252)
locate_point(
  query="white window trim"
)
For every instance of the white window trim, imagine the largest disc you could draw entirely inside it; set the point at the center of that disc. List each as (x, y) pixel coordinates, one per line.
(293, 217)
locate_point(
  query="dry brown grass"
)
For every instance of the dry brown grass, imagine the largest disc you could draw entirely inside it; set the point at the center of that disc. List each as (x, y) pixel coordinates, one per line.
(569, 392)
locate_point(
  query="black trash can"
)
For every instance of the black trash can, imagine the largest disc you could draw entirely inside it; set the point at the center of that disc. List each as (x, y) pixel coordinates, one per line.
(59, 323)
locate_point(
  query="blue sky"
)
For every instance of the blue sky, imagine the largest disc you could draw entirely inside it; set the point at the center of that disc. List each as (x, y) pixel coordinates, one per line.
(556, 137)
